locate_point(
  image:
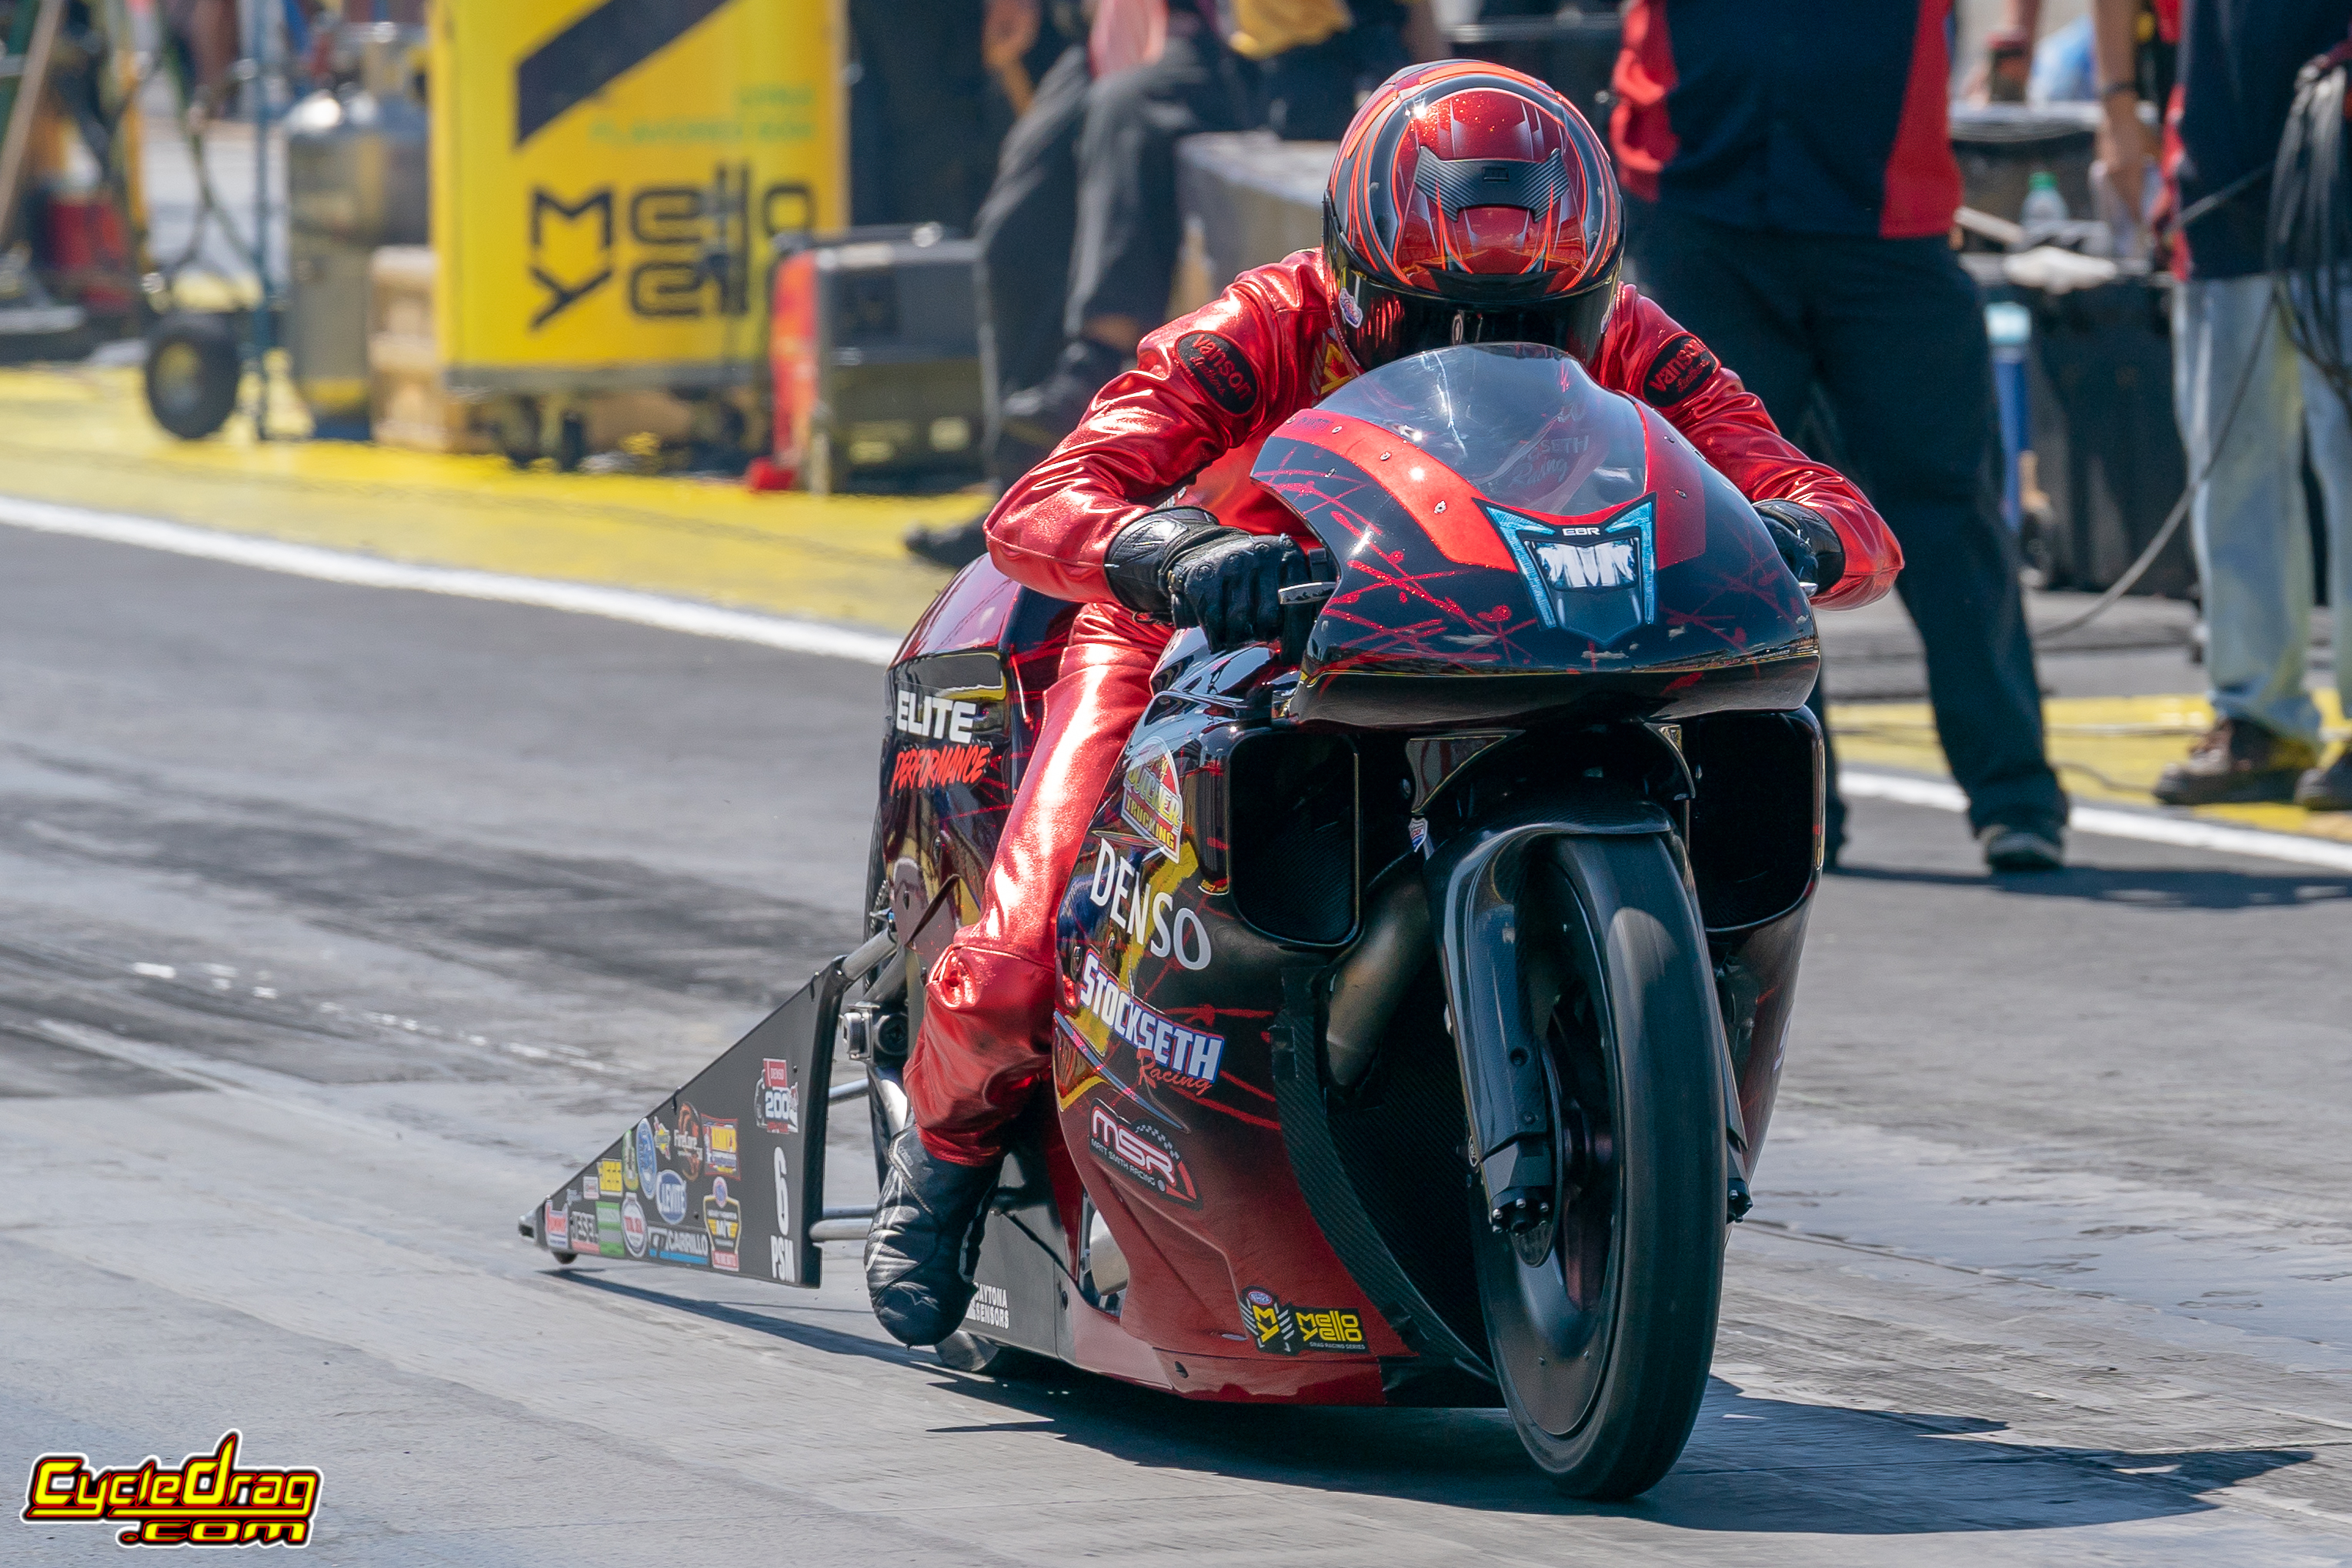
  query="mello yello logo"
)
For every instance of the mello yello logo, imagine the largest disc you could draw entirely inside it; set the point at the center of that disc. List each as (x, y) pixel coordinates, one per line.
(204, 1500)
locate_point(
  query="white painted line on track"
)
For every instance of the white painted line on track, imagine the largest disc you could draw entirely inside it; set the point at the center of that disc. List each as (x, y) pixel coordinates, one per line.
(373, 572)
(874, 647)
(2188, 833)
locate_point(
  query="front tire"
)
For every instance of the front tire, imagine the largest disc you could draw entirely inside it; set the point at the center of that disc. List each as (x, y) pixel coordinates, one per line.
(1604, 1342)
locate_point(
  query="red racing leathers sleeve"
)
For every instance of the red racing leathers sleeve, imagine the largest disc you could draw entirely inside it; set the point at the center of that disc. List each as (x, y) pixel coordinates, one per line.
(1644, 353)
(1211, 385)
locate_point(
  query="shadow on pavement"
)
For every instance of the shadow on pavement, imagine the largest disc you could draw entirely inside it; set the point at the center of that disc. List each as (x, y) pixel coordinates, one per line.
(2214, 889)
(1753, 1464)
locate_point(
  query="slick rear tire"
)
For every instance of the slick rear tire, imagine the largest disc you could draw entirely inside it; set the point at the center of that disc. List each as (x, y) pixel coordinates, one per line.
(194, 366)
(1602, 1359)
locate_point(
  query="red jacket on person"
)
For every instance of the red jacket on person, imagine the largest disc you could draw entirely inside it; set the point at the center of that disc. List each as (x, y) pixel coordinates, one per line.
(1209, 387)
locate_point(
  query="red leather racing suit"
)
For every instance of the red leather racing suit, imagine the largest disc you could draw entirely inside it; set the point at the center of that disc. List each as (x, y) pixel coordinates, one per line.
(1185, 424)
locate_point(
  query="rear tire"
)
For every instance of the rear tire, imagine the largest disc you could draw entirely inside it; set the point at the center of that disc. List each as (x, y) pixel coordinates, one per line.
(1602, 1347)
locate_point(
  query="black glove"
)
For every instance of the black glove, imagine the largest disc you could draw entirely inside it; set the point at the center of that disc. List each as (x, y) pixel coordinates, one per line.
(1806, 542)
(1182, 566)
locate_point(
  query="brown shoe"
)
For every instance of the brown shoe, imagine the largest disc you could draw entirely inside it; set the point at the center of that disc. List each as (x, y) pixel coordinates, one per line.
(2237, 762)
(2328, 788)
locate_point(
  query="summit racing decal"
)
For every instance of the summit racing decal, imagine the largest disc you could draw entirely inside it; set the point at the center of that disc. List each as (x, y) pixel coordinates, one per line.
(1680, 367)
(722, 1220)
(1282, 1328)
(1145, 914)
(1165, 1049)
(1153, 804)
(1142, 1152)
(1597, 579)
(1217, 365)
(204, 1500)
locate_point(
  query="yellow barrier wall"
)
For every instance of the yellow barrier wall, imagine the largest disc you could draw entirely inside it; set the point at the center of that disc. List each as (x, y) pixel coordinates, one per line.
(607, 175)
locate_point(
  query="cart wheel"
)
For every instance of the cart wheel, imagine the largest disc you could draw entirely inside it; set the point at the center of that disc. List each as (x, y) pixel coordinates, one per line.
(571, 442)
(565, 1256)
(516, 421)
(194, 366)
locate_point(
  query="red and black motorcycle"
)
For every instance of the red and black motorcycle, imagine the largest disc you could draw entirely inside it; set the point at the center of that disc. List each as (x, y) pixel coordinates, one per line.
(1426, 978)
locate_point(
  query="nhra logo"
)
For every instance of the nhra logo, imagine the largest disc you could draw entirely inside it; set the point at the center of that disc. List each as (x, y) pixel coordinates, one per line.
(1281, 1328)
(1142, 1153)
(1598, 580)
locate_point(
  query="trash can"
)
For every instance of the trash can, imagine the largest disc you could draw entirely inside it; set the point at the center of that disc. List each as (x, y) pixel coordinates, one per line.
(2107, 448)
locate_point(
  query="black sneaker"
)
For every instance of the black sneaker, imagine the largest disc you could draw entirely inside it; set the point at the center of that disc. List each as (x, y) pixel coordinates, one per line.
(2008, 848)
(2237, 762)
(925, 1241)
(2328, 788)
(1041, 415)
(954, 545)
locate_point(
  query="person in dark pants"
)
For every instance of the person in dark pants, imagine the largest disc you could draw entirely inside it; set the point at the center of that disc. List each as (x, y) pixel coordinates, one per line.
(1795, 152)
(1078, 237)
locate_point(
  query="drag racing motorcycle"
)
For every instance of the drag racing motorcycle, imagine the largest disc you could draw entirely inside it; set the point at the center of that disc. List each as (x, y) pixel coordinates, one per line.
(1425, 977)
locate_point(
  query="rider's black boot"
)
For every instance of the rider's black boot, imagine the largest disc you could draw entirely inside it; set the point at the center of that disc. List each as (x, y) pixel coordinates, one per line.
(925, 1241)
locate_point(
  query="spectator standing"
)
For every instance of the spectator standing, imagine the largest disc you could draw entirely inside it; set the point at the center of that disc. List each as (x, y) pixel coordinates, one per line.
(2235, 85)
(1797, 156)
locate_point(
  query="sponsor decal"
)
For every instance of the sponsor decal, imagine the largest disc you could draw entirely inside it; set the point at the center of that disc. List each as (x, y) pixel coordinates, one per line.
(206, 1500)
(687, 1145)
(722, 1221)
(558, 1225)
(1680, 367)
(609, 1181)
(930, 718)
(588, 1192)
(1283, 1328)
(928, 767)
(1598, 580)
(1145, 914)
(780, 1101)
(629, 1160)
(1142, 1152)
(784, 1195)
(669, 1197)
(991, 1309)
(608, 1229)
(719, 1144)
(783, 1261)
(645, 1161)
(1349, 311)
(1165, 1050)
(1153, 804)
(582, 1227)
(665, 1245)
(633, 1224)
(1333, 368)
(661, 1140)
(1218, 368)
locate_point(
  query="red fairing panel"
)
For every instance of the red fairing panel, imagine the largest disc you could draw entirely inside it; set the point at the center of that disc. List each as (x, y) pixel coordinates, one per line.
(1221, 379)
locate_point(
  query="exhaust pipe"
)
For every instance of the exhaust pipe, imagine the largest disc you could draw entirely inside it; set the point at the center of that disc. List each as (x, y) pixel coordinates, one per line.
(1372, 981)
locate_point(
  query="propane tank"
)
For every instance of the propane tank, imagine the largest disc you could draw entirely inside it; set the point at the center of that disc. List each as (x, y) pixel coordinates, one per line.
(356, 174)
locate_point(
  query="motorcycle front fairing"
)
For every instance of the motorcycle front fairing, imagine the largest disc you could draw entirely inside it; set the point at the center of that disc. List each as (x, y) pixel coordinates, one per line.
(1496, 514)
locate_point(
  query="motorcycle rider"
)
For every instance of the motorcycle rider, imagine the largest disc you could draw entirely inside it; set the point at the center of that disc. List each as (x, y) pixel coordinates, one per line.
(1467, 204)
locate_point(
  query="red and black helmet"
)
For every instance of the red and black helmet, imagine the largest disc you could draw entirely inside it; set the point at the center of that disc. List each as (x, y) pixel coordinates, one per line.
(1470, 203)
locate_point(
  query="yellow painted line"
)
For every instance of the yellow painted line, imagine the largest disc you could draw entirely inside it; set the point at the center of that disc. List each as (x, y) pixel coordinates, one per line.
(81, 436)
(2105, 747)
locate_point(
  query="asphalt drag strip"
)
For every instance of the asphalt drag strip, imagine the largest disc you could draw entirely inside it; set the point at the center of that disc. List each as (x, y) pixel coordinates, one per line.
(337, 925)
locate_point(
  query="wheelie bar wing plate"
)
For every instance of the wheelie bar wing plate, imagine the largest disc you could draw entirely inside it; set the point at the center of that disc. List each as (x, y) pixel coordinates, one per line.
(727, 1174)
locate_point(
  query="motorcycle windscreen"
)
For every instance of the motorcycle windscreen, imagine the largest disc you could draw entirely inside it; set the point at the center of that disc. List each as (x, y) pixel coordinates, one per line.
(1493, 507)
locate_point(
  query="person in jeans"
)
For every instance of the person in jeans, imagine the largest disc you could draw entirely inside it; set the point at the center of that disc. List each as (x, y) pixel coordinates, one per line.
(2236, 68)
(1802, 189)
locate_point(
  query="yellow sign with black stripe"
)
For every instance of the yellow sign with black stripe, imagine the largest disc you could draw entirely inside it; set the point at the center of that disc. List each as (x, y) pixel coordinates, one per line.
(607, 177)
